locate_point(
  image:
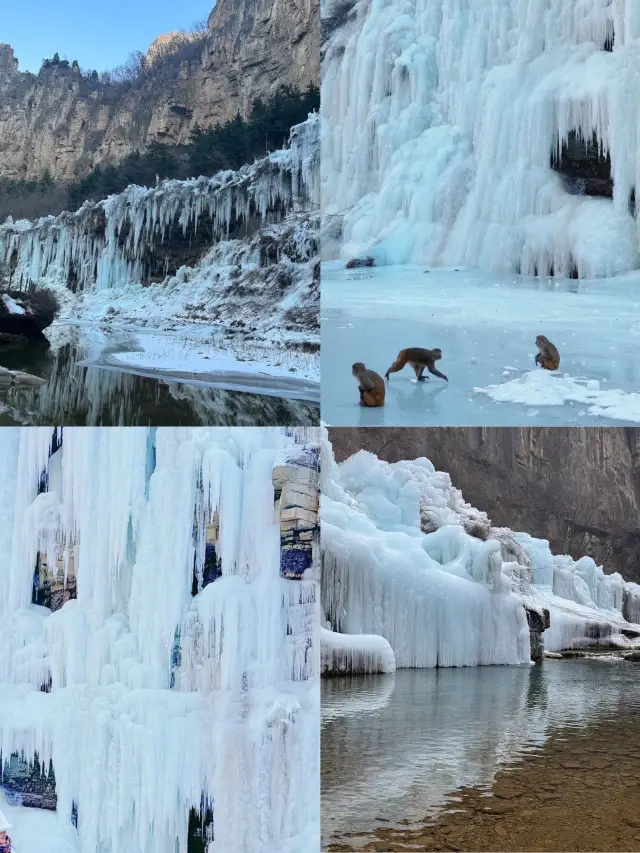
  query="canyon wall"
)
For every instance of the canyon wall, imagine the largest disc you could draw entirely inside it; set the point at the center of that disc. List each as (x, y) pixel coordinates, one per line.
(64, 123)
(579, 488)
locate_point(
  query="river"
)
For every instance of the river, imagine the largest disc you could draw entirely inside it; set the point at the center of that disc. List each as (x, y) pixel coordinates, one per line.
(87, 386)
(483, 758)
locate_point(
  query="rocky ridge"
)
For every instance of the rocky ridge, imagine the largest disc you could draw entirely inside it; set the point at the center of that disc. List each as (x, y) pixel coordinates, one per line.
(64, 123)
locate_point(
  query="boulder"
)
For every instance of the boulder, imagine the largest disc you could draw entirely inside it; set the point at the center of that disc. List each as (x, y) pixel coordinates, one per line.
(18, 379)
(26, 313)
(633, 656)
(360, 262)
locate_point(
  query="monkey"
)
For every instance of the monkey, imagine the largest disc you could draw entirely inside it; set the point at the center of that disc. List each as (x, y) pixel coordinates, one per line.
(360, 262)
(418, 359)
(548, 357)
(370, 385)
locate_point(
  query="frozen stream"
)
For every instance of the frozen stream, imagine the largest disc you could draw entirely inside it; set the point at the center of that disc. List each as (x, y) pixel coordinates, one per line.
(486, 325)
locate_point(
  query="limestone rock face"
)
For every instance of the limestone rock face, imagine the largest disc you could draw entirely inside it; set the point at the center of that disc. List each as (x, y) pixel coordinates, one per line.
(58, 121)
(579, 488)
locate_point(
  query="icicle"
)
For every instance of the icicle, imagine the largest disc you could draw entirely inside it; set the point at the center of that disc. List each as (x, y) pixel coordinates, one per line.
(88, 242)
(407, 561)
(440, 120)
(145, 693)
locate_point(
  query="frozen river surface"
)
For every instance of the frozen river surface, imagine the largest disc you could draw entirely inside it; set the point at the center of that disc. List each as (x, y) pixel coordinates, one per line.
(486, 325)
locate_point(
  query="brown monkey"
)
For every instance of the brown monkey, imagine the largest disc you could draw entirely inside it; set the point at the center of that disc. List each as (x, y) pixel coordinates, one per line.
(418, 359)
(370, 385)
(548, 357)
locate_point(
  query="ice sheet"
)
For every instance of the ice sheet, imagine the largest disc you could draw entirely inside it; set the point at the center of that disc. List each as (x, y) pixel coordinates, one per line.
(486, 325)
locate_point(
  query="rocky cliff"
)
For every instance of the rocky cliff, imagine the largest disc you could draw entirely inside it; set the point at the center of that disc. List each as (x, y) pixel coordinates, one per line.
(579, 488)
(66, 123)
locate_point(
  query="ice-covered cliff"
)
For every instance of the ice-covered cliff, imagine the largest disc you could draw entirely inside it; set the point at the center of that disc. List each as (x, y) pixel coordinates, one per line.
(129, 238)
(501, 134)
(238, 249)
(406, 559)
(157, 649)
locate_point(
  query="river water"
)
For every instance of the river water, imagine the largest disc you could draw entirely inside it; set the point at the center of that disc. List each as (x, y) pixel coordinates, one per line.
(410, 762)
(86, 387)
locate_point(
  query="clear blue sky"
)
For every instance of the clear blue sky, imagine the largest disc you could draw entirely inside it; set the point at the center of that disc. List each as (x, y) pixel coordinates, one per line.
(98, 35)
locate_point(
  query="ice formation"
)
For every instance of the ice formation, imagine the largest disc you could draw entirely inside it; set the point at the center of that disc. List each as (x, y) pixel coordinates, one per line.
(406, 559)
(109, 244)
(346, 653)
(439, 598)
(182, 671)
(441, 121)
(586, 605)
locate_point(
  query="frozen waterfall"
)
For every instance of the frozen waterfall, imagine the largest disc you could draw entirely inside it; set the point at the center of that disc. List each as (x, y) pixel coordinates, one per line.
(443, 121)
(111, 244)
(158, 641)
(430, 582)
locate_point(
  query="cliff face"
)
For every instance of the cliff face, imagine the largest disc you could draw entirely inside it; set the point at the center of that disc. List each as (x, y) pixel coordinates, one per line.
(61, 122)
(579, 488)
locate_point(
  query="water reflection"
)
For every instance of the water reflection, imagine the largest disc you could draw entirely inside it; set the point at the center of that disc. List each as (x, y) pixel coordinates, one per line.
(394, 748)
(88, 395)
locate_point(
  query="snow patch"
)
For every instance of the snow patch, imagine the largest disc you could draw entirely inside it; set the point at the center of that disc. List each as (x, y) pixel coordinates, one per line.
(543, 388)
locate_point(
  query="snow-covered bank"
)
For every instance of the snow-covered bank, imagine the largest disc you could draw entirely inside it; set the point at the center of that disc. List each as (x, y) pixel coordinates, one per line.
(237, 251)
(86, 384)
(486, 325)
(151, 648)
(198, 356)
(406, 558)
(264, 289)
(457, 111)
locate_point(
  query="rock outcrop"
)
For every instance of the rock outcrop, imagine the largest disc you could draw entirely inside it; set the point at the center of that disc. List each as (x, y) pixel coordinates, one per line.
(27, 785)
(65, 123)
(538, 623)
(18, 379)
(296, 491)
(579, 488)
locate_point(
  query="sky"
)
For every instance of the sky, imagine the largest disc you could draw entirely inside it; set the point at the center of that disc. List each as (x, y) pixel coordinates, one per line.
(98, 35)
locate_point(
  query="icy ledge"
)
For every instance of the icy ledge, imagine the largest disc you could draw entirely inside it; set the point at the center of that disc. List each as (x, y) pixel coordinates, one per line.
(407, 560)
(110, 244)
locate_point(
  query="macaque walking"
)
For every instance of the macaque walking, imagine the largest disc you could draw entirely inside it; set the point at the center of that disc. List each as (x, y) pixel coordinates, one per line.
(548, 356)
(418, 359)
(370, 385)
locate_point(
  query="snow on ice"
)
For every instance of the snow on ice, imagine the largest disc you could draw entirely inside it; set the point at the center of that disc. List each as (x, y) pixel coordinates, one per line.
(455, 111)
(406, 559)
(154, 690)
